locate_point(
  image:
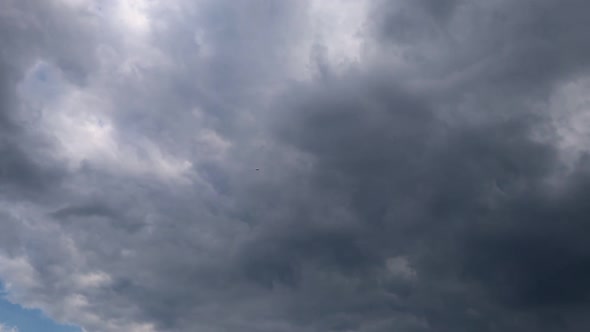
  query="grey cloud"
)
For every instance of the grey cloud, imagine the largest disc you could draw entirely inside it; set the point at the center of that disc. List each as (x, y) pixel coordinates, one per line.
(420, 188)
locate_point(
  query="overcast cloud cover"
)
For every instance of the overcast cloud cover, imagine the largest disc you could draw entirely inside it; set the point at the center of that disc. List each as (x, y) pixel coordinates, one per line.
(422, 165)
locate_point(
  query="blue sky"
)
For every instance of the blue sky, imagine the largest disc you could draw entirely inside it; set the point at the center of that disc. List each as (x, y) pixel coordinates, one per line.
(26, 320)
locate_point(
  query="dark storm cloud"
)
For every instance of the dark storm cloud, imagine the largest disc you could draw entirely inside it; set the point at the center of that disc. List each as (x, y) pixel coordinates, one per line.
(420, 188)
(20, 170)
(472, 199)
(534, 252)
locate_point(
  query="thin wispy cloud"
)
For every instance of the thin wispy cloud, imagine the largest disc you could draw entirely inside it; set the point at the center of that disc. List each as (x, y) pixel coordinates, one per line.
(5, 328)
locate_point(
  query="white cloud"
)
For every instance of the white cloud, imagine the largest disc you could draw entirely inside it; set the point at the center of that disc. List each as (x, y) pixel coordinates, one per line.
(6, 328)
(19, 275)
(570, 110)
(400, 267)
(339, 26)
(80, 120)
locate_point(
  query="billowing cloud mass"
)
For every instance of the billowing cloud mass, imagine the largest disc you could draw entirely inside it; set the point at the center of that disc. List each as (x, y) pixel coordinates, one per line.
(296, 165)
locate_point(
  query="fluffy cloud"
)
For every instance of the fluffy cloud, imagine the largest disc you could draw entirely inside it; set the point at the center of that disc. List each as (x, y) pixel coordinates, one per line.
(266, 165)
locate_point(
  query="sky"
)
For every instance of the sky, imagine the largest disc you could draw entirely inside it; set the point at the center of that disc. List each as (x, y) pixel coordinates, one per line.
(294, 165)
(13, 315)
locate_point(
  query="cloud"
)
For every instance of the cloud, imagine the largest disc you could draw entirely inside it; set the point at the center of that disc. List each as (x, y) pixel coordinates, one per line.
(5, 328)
(296, 165)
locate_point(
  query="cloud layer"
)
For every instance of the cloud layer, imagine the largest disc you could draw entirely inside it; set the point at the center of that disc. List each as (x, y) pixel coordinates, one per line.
(318, 165)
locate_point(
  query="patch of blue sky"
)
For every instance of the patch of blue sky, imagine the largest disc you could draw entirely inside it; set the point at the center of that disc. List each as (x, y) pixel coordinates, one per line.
(28, 320)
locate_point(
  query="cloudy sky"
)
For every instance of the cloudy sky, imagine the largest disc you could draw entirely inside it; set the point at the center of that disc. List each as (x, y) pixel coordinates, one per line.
(294, 165)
